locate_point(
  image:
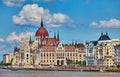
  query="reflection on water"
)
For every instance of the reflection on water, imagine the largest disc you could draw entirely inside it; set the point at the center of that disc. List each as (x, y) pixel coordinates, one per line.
(21, 73)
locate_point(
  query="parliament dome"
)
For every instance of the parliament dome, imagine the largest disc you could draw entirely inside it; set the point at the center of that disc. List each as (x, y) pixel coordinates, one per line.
(42, 31)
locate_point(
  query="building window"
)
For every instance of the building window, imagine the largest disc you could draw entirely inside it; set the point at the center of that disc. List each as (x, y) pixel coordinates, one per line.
(68, 54)
(80, 55)
(76, 54)
(73, 54)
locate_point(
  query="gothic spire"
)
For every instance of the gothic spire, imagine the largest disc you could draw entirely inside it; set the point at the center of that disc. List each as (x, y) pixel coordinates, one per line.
(75, 42)
(30, 39)
(101, 33)
(58, 35)
(54, 35)
(41, 22)
(72, 42)
(107, 33)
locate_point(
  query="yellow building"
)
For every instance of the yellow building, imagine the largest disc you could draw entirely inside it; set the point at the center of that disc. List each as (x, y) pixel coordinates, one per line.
(105, 52)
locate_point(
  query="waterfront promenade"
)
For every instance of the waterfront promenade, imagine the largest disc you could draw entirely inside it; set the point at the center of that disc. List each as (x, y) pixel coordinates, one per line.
(66, 68)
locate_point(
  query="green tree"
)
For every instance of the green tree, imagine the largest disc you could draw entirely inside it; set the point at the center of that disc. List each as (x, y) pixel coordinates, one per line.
(118, 66)
(1, 63)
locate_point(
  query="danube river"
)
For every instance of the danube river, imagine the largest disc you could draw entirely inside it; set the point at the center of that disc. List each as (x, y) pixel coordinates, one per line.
(22, 73)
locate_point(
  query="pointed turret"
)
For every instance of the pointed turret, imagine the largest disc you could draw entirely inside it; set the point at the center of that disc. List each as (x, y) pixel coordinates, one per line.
(30, 39)
(72, 42)
(101, 33)
(104, 37)
(75, 42)
(106, 33)
(58, 36)
(54, 35)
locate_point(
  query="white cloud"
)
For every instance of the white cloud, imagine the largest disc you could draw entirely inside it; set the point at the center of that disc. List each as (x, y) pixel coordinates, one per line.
(1, 40)
(112, 23)
(13, 2)
(31, 15)
(14, 37)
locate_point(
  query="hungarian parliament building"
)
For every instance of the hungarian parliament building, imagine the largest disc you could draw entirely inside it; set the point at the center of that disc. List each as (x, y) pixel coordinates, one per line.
(46, 51)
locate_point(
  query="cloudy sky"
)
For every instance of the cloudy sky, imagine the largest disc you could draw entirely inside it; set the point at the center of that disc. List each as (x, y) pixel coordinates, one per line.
(81, 20)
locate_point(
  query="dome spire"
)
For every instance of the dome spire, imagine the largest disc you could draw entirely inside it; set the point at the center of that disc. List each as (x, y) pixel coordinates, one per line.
(41, 22)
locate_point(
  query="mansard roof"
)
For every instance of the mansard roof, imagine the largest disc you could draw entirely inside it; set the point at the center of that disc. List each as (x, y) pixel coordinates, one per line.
(94, 42)
(104, 37)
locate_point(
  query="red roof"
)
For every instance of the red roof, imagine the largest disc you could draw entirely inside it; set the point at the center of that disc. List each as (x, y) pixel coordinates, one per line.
(73, 47)
(48, 48)
(70, 47)
(81, 46)
(67, 47)
(51, 40)
(42, 32)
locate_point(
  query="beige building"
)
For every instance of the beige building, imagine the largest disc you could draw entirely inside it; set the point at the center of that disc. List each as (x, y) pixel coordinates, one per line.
(7, 58)
(46, 51)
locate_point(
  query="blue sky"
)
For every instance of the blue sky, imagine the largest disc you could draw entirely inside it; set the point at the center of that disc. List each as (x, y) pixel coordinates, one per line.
(81, 20)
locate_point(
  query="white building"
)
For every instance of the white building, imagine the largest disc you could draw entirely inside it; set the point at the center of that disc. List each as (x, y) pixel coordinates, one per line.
(7, 58)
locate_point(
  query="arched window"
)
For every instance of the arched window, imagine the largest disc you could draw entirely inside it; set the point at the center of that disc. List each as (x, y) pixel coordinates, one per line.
(76, 54)
(68, 54)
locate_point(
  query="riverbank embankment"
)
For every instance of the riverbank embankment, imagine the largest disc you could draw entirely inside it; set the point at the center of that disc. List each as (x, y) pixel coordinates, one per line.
(65, 68)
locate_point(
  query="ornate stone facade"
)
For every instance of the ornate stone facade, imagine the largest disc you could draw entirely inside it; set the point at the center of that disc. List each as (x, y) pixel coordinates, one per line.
(46, 51)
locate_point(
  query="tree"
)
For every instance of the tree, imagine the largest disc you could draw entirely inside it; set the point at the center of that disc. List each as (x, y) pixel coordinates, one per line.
(118, 66)
(1, 63)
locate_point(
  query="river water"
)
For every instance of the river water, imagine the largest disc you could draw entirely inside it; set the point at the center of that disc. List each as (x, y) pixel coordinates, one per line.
(22, 73)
